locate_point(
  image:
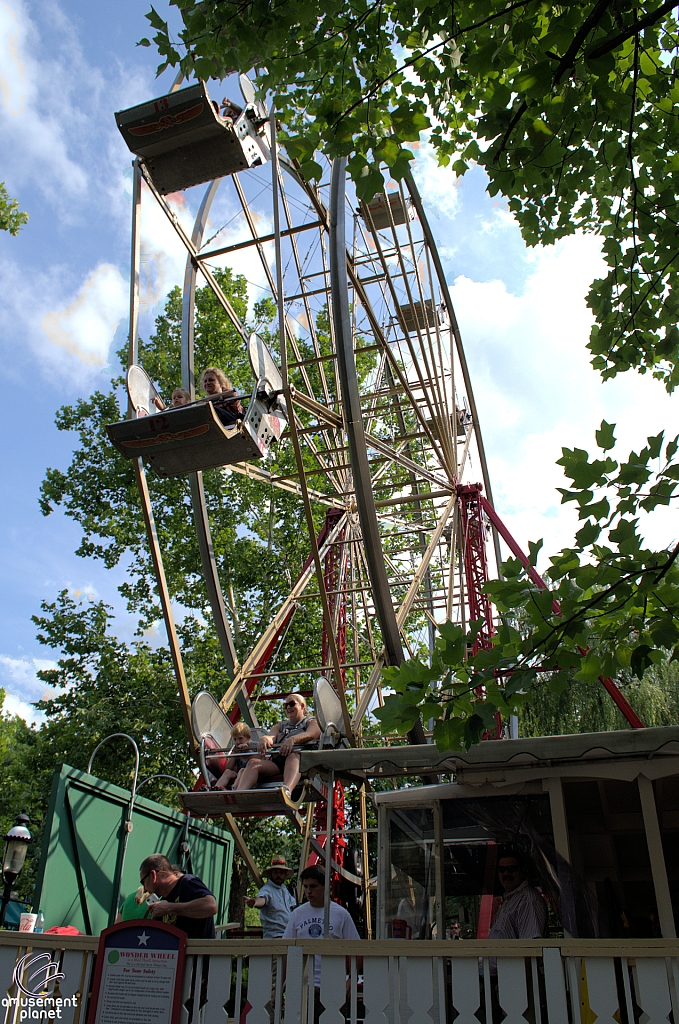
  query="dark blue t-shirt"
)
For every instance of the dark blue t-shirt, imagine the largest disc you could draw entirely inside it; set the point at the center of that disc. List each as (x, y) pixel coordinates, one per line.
(189, 888)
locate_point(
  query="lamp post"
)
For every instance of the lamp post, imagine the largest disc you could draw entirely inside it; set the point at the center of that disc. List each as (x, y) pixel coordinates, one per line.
(16, 847)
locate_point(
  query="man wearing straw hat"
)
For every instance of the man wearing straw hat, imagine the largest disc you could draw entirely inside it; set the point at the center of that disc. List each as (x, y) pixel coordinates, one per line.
(274, 900)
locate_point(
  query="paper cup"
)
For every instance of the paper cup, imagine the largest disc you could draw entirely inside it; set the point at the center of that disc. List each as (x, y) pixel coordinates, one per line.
(27, 922)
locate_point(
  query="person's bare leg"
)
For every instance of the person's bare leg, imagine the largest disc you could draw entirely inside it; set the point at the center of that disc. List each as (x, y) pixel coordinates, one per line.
(225, 780)
(291, 774)
(248, 776)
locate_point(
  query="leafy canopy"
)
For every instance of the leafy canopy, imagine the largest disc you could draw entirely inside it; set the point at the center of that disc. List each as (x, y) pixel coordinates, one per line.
(571, 109)
(611, 606)
(12, 219)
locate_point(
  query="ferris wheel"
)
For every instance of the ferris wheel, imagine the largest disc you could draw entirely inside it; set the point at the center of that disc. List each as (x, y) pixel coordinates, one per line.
(369, 388)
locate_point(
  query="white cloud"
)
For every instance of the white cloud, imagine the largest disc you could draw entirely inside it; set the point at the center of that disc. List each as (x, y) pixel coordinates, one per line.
(438, 185)
(13, 75)
(87, 326)
(21, 673)
(14, 706)
(18, 677)
(537, 392)
(41, 102)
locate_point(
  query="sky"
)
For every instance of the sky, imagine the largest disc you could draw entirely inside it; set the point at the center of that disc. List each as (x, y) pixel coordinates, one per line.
(64, 70)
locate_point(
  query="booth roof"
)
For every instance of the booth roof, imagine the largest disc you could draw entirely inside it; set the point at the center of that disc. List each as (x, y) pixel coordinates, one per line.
(384, 762)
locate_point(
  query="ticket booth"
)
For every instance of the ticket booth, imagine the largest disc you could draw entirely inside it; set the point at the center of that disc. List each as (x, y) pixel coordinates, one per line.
(594, 819)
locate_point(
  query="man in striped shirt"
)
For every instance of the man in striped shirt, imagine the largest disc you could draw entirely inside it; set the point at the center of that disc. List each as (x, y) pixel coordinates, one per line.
(523, 912)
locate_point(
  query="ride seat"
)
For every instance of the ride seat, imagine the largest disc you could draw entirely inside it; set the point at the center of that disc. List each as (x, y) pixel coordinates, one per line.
(184, 141)
(192, 437)
(380, 206)
(211, 731)
(420, 315)
(186, 439)
(329, 715)
(215, 765)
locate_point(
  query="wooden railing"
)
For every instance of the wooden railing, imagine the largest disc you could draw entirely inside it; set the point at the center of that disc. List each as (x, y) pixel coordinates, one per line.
(390, 982)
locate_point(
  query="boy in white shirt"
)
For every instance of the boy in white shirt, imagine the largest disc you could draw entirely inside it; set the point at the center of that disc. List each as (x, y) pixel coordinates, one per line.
(308, 919)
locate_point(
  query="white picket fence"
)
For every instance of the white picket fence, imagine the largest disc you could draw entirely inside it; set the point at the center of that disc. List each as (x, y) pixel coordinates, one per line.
(392, 982)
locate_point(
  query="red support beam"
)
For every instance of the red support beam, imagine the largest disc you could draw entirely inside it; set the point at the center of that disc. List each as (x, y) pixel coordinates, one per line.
(252, 681)
(473, 527)
(609, 685)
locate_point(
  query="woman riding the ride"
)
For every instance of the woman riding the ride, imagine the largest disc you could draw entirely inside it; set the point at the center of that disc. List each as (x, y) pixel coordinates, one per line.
(299, 730)
(219, 390)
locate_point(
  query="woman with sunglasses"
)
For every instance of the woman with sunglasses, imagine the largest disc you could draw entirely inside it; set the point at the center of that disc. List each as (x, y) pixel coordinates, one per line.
(298, 730)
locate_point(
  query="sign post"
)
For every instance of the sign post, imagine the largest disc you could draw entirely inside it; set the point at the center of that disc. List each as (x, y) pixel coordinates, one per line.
(138, 977)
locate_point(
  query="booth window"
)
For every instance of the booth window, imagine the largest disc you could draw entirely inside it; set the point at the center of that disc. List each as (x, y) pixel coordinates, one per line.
(667, 805)
(477, 833)
(411, 886)
(609, 853)
(474, 834)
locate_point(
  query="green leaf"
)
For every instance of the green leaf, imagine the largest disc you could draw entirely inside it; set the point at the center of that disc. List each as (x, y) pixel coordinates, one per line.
(605, 436)
(587, 535)
(448, 734)
(369, 183)
(311, 171)
(665, 633)
(655, 444)
(590, 667)
(534, 550)
(156, 21)
(641, 659)
(395, 715)
(534, 80)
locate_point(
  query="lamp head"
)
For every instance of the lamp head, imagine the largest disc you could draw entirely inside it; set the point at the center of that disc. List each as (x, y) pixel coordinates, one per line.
(16, 847)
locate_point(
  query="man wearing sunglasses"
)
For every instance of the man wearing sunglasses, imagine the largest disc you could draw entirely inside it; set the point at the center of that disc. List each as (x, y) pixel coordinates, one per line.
(298, 730)
(185, 901)
(523, 912)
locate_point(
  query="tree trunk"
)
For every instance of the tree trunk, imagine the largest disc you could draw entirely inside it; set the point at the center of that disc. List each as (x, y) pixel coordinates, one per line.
(240, 879)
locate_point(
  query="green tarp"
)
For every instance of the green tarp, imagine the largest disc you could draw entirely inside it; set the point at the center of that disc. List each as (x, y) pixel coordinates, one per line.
(83, 843)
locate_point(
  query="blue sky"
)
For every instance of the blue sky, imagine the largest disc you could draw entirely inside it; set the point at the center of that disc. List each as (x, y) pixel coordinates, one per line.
(64, 70)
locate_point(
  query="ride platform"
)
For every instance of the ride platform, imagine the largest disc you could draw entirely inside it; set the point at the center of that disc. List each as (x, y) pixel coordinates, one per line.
(185, 440)
(269, 801)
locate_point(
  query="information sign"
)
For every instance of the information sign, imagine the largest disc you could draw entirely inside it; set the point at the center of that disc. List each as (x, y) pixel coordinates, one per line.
(138, 977)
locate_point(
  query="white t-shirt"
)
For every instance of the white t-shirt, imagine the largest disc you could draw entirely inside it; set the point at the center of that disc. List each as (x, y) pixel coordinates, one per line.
(306, 922)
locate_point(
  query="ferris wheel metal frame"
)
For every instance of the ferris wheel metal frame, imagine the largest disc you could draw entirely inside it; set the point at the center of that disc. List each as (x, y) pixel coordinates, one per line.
(341, 275)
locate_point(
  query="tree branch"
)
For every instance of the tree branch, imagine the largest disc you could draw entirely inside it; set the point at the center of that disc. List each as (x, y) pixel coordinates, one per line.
(567, 61)
(614, 41)
(590, 22)
(425, 53)
(512, 125)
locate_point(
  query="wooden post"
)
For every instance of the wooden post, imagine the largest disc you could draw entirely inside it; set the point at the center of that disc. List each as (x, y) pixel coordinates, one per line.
(366, 863)
(438, 872)
(657, 858)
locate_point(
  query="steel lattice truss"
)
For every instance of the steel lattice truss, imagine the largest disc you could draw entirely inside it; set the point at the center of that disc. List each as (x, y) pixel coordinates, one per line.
(385, 427)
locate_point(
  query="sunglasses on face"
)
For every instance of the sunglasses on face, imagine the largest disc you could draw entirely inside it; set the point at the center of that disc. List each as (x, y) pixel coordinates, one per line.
(142, 880)
(508, 871)
(290, 704)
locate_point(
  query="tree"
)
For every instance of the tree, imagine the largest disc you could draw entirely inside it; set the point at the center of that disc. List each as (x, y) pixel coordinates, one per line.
(570, 109)
(582, 707)
(12, 219)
